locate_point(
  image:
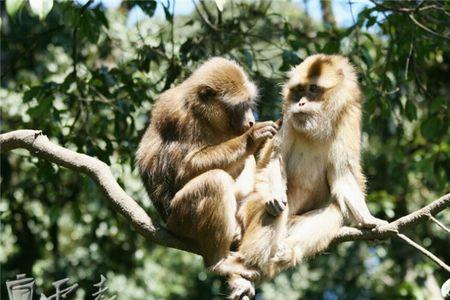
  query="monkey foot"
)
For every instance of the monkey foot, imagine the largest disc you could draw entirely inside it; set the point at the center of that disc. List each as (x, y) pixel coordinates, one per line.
(233, 265)
(371, 222)
(241, 289)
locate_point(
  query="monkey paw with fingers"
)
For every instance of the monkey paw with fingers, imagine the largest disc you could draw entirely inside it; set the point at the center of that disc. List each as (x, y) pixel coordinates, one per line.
(275, 206)
(262, 131)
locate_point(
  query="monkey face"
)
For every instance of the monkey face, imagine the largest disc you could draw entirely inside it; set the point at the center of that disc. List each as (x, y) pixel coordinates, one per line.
(232, 115)
(318, 91)
(241, 116)
(223, 96)
(304, 108)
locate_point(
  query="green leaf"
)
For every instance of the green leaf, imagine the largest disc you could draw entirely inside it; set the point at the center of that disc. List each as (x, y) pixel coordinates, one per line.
(445, 289)
(169, 15)
(431, 128)
(437, 103)
(12, 6)
(370, 21)
(410, 110)
(41, 8)
(290, 58)
(366, 56)
(248, 59)
(31, 94)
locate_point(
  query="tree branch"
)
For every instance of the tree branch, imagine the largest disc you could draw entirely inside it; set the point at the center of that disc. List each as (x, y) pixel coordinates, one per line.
(389, 230)
(40, 146)
(424, 251)
(439, 223)
(393, 229)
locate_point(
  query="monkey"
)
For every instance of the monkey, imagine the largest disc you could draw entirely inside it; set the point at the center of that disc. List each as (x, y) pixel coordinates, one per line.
(196, 158)
(310, 180)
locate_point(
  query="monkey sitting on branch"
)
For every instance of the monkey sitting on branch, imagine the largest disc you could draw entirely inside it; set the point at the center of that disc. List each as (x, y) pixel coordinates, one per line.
(309, 177)
(196, 158)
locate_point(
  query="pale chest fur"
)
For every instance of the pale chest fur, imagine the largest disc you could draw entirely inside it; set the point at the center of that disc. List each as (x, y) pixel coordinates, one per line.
(307, 186)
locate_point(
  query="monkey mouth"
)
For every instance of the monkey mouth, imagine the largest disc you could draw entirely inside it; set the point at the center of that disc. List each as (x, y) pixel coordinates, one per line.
(302, 115)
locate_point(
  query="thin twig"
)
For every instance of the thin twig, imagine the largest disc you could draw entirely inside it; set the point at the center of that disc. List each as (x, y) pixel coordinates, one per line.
(424, 251)
(427, 29)
(205, 19)
(439, 223)
(411, 49)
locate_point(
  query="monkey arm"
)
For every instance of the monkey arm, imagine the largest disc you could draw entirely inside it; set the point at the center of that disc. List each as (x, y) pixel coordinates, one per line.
(222, 156)
(271, 181)
(349, 195)
(271, 185)
(245, 182)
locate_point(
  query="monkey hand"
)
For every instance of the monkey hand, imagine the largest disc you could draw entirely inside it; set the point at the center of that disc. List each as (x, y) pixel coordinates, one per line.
(261, 131)
(276, 205)
(371, 222)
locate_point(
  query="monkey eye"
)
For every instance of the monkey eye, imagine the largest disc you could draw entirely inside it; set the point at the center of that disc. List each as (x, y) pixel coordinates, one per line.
(297, 92)
(313, 88)
(300, 88)
(206, 93)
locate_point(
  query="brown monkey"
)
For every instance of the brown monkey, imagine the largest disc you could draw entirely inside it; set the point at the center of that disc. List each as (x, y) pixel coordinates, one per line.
(196, 157)
(314, 162)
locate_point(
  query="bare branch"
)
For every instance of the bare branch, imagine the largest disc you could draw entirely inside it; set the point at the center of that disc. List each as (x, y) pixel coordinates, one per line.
(424, 251)
(40, 146)
(205, 19)
(427, 29)
(391, 229)
(439, 223)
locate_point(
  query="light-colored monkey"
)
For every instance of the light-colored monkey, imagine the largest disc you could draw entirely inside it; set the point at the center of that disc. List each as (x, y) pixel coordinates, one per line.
(196, 157)
(314, 162)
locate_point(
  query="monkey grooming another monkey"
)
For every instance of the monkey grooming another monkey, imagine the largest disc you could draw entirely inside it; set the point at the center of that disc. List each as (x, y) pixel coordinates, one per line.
(196, 157)
(314, 161)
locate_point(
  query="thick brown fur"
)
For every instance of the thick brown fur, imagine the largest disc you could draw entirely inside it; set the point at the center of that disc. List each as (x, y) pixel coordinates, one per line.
(196, 157)
(315, 158)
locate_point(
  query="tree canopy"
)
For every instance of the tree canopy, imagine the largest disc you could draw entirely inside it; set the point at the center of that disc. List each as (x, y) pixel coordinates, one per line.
(87, 75)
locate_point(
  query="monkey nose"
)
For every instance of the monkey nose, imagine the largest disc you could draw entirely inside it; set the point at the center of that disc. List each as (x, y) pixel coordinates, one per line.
(302, 102)
(250, 124)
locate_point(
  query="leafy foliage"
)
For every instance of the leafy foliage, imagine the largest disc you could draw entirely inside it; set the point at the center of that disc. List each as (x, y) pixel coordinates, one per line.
(87, 77)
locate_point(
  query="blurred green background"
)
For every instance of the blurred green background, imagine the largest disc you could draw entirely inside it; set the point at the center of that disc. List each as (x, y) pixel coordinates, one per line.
(86, 74)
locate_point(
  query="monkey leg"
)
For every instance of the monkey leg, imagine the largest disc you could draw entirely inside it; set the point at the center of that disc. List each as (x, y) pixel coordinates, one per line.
(308, 235)
(205, 211)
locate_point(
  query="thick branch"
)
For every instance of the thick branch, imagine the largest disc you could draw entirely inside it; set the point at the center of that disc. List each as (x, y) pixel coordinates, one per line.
(40, 146)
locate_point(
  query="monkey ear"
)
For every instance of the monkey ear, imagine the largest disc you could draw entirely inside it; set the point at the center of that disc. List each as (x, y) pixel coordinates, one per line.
(206, 93)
